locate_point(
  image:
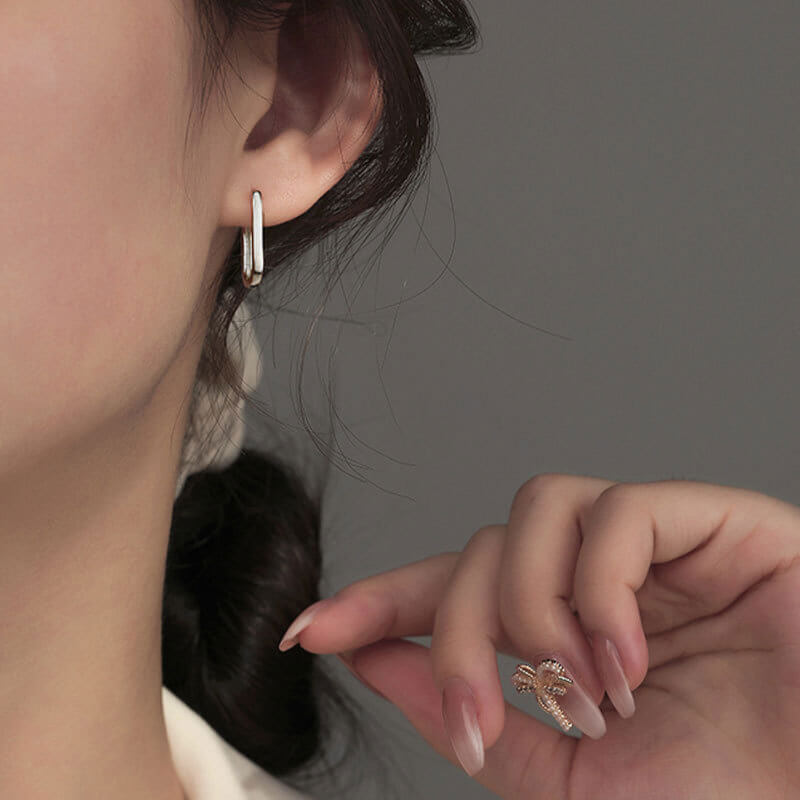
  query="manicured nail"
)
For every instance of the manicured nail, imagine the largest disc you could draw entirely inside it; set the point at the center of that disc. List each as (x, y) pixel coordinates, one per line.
(460, 716)
(575, 701)
(610, 668)
(301, 623)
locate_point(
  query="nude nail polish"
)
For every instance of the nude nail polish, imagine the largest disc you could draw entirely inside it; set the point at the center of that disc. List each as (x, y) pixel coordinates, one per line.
(460, 716)
(609, 666)
(301, 623)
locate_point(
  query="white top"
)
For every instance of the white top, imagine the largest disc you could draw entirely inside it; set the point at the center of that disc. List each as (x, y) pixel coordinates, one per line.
(208, 767)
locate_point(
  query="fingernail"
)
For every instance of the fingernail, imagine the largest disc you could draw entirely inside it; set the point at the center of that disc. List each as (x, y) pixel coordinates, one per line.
(301, 623)
(609, 666)
(460, 716)
(581, 710)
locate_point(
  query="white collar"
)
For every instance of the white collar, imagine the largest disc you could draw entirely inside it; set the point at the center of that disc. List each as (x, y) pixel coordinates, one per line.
(211, 769)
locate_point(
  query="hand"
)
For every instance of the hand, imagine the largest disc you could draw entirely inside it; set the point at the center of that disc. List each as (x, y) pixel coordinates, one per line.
(697, 585)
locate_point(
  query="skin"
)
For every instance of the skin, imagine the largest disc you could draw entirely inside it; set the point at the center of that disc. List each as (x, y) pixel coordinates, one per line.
(107, 241)
(97, 366)
(698, 586)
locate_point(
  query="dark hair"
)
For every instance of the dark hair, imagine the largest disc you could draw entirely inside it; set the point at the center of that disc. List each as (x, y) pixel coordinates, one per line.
(244, 553)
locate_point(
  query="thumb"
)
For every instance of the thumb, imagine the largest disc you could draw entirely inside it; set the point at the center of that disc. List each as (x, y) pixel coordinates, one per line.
(400, 672)
(530, 759)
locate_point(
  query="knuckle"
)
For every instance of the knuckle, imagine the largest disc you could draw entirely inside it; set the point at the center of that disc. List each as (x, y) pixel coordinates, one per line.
(543, 483)
(617, 498)
(486, 535)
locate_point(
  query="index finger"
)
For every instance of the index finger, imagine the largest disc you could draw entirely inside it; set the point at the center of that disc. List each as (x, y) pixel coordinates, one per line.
(389, 605)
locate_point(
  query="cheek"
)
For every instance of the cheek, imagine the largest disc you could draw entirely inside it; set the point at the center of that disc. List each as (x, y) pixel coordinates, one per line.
(95, 226)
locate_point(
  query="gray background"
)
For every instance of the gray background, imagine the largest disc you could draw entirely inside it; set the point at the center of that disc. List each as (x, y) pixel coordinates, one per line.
(615, 186)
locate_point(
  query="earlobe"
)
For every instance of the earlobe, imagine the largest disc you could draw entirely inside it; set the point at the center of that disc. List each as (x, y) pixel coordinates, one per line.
(325, 107)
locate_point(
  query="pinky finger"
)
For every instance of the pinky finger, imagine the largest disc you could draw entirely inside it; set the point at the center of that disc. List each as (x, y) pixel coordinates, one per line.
(629, 528)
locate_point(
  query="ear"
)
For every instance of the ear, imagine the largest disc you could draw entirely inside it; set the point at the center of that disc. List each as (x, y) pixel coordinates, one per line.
(326, 102)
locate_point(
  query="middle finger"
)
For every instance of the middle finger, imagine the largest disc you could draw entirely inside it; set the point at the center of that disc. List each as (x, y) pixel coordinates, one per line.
(537, 578)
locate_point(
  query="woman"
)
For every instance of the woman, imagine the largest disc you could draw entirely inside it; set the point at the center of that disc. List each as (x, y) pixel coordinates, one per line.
(132, 137)
(140, 653)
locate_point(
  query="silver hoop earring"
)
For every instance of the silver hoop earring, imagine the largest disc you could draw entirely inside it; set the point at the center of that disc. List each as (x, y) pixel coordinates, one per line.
(253, 245)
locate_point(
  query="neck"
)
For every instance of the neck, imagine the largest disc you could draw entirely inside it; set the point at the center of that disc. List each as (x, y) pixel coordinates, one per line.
(83, 538)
